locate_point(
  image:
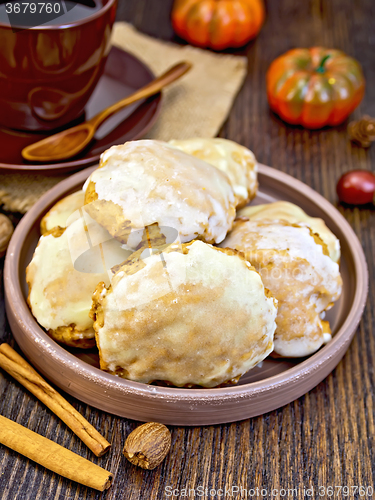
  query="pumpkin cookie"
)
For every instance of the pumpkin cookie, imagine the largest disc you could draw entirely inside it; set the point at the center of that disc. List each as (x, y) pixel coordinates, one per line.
(295, 266)
(284, 210)
(145, 182)
(62, 276)
(190, 315)
(236, 161)
(60, 213)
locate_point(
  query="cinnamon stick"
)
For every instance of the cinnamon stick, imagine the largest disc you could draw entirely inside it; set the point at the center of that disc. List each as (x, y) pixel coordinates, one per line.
(25, 374)
(53, 456)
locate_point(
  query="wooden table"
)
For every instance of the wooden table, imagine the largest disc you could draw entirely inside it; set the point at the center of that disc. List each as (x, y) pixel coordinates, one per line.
(325, 438)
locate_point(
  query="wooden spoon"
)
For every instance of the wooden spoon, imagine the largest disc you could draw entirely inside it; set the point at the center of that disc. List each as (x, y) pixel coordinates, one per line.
(69, 142)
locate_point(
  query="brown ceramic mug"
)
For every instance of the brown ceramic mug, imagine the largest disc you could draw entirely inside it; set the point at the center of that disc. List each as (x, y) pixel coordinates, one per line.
(48, 72)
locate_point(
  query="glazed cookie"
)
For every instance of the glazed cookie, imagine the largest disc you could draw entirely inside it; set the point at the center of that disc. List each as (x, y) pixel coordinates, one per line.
(63, 275)
(238, 162)
(60, 213)
(284, 210)
(191, 315)
(145, 182)
(295, 266)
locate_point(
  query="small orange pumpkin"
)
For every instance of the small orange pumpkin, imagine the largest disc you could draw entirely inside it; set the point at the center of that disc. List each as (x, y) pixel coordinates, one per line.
(218, 24)
(314, 87)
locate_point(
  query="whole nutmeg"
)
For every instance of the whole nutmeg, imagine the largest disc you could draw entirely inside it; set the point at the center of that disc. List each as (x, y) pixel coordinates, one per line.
(148, 445)
(6, 230)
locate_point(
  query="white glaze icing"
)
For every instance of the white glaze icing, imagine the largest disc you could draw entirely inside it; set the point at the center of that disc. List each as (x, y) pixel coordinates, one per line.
(60, 295)
(202, 318)
(304, 280)
(60, 213)
(284, 210)
(238, 162)
(154, 182)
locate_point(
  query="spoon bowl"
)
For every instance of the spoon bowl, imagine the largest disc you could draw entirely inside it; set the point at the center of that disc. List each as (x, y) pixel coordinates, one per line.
(60, 146)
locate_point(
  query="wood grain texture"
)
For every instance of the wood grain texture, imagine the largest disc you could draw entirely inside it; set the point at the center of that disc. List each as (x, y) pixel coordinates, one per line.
(324, 438)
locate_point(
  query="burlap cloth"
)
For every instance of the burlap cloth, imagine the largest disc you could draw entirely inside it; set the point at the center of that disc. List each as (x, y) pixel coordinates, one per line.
(195, 106)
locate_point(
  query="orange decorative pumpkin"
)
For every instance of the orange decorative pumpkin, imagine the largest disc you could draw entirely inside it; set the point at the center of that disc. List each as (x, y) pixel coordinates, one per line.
(314, 87)
(218, 24)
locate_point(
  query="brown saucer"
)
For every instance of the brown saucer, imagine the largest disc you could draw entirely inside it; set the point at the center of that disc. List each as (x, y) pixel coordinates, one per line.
(274, 384)
(123, 74)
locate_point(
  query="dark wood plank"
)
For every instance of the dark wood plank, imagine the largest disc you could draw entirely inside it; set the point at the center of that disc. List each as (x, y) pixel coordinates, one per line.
(325, 438)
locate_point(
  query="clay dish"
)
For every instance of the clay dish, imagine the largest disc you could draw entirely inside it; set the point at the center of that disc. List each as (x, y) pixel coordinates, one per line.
(265, 388)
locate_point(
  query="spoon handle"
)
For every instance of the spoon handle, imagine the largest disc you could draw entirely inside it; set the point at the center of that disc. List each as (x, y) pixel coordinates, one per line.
(148, 90)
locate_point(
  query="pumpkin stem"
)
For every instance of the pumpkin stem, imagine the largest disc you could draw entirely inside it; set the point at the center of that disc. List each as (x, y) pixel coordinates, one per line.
(321, 68)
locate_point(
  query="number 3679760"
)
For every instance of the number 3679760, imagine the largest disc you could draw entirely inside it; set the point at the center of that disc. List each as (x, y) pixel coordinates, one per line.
(346, 491)
(33, 8)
